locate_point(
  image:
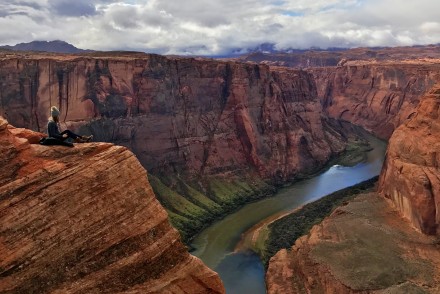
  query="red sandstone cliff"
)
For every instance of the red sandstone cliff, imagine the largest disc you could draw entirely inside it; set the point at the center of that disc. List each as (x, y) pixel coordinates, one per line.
(193, 116)
(411, 176)
(214, 133)
(374, 88)
(85, 220)
(379, 96)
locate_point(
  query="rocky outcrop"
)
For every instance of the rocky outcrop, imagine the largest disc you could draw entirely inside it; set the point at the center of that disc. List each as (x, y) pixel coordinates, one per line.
(378, 96)
(363, 247)
(85, 220)
(411, 176)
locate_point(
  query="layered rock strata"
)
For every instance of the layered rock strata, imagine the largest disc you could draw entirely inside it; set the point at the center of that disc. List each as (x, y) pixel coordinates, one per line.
(200, 117)
(363, 247)
(373, 88)
(376, 96)
(411, 176)
(85, 220)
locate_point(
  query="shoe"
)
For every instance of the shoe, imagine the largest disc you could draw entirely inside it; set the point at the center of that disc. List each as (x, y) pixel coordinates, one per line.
(87, 138)
(79, 140)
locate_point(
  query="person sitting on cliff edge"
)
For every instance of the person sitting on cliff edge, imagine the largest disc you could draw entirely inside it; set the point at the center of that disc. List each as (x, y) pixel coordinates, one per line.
(54, 131)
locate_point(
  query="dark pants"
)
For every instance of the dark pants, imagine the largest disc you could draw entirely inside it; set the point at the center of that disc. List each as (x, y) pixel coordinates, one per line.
(70, 134)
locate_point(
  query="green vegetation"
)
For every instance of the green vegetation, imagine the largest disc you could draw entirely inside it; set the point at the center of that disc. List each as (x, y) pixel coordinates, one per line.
(260, 243)
(193, 206)
(232, 193)
(284, 231)
(354, 153)
(189, 210)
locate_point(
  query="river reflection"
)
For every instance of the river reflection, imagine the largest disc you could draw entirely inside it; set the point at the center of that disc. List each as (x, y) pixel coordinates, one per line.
(243, 272)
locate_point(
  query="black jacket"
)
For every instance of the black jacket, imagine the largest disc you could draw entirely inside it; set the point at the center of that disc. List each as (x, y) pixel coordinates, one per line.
(53, 130)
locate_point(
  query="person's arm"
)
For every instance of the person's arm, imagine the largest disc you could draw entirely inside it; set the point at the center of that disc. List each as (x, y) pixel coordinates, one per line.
(52, 129)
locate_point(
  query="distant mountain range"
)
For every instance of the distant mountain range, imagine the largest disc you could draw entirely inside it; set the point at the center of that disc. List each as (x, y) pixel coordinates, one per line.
(56, 46)
(316, 57)
(271, 48)
(264, 52)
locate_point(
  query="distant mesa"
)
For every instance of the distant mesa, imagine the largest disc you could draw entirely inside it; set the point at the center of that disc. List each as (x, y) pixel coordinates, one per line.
(56, 46)
(317, 57)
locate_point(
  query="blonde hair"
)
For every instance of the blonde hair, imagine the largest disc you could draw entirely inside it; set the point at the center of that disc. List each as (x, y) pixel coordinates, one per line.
(54, 111)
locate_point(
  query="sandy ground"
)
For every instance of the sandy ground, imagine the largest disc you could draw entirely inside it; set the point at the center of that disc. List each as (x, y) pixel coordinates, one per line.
(250, 238)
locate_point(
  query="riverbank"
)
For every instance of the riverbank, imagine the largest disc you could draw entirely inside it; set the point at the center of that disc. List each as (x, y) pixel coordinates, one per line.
(281, 231)
(243, 272)
(364, 246)
(194, 205)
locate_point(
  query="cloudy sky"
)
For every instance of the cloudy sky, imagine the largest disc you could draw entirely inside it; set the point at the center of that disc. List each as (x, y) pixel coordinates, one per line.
(216, 27)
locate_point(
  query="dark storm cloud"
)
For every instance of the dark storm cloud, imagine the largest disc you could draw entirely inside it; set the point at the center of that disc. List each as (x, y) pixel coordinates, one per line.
(10, 7)
(8, 13)
(131, 17)
(32, 4)
(73, 7)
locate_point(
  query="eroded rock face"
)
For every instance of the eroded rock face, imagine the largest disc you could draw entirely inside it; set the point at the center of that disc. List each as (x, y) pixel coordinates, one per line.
(376, 89)
(199, 117)
(411, 176)
(363, 247)
(379, 96)
(85, 220)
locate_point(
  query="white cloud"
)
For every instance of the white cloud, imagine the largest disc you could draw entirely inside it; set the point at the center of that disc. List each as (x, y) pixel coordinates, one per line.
(217, 27)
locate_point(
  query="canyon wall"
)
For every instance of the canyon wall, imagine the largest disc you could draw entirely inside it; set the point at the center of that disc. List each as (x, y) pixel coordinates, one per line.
(375, 88)
(85, 220)
(379, 96)
(366, 246)
(195, 116)
(214, 134)
(204, 117)
(411, 176)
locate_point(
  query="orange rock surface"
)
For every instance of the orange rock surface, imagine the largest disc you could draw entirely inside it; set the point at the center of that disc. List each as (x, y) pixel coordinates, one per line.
(85, 220)
(363, 247)
(411, 175)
